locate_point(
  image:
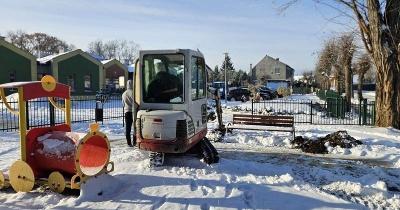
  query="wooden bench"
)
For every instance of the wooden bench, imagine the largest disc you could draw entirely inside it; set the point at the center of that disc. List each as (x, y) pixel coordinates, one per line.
(262, 122)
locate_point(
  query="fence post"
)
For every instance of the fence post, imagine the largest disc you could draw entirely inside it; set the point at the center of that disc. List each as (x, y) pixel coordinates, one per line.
(52, 114)
(373, 112)
(364, 117)
(359, 111)
(27, 114)
(343, 107)
(311, 113)
(252, 107)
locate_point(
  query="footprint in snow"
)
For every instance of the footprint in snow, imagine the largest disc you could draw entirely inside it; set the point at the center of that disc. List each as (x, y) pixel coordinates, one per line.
(193, 185)
(228, 190)
(205, 206)
(248, 198)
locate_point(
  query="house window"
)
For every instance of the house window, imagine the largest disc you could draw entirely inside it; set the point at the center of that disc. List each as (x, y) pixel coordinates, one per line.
(40, 76)
(88, 86)
(71, 82)
(12, 76)
(277, 71)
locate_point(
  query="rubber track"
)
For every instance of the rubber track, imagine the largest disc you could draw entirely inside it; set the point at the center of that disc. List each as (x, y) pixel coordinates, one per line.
(156, 159)
(209, 152)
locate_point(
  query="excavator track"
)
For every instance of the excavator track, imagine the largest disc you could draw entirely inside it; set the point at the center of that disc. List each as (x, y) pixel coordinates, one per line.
(209, 153)
(156, 159)
(203, 148)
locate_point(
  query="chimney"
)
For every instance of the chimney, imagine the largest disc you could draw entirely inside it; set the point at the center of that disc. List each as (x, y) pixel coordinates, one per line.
(250, 78)
(63, 49)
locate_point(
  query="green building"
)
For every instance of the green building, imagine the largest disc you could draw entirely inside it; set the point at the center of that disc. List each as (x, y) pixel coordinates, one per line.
(83, 73)
(16, 65)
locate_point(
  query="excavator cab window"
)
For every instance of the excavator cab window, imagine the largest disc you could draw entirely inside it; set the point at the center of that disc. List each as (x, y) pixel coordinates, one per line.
(198, 90)
(162, 78)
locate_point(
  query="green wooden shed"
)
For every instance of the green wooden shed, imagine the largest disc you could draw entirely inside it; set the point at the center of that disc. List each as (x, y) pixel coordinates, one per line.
(16, 65)
(83, 73)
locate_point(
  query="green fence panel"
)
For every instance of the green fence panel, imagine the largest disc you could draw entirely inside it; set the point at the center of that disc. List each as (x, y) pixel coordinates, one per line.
(336, 106)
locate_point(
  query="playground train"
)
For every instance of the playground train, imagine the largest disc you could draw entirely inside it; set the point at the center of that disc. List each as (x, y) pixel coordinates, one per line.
(53, 155)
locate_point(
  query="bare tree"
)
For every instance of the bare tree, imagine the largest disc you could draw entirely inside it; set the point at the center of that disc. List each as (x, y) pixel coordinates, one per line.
(370, 76)
(327, 60)
(46, 43)
(363, 65)
(96, 47)
(307, 77)
(122, 50)
(130, 51)
(18, 38)
(110, 50)
(379, 27)
(33, 43)
(71, 47)
(346, 52)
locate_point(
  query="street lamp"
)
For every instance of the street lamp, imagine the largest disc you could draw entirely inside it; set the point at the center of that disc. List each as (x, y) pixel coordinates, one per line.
(225, 93)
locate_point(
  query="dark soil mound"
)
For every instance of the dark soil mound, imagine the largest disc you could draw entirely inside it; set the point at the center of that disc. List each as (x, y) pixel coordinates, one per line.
(339, 138)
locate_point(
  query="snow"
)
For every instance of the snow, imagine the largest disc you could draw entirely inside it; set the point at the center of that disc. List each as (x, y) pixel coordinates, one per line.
(53, 147)
(257, 170)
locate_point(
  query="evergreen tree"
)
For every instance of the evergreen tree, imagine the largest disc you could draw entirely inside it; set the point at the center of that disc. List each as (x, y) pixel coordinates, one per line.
(228, 63)
(217, 75)
(229, 68)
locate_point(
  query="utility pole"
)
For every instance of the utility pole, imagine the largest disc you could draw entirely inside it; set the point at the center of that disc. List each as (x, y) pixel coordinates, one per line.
(226, 92)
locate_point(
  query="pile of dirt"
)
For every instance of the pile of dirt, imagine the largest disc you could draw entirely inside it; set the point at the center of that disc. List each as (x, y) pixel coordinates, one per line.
(319, 146)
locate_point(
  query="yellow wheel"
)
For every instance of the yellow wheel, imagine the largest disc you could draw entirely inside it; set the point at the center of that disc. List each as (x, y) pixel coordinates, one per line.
(48, 83)
(21, 176)
(2, 180)
(56, 182)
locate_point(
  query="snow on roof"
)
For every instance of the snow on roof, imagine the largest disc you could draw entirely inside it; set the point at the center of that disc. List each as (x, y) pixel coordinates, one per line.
(106, 61)
(97, 57)
(48, 58)
(17, 84)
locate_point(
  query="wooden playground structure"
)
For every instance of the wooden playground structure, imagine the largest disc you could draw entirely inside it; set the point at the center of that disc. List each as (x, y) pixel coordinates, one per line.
(53, 155)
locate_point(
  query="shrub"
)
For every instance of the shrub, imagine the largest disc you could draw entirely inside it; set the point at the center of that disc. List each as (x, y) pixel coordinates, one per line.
(284, 91)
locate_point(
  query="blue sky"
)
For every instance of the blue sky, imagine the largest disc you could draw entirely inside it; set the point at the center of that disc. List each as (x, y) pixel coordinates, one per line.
(248, 30)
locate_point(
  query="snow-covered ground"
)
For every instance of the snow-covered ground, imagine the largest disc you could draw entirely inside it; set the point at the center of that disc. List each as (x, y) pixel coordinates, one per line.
(257, 170)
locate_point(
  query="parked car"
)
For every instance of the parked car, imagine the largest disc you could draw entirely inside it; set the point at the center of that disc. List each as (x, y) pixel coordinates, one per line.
(238, 94)
(214, 91)
(265, 95)
(266, 90)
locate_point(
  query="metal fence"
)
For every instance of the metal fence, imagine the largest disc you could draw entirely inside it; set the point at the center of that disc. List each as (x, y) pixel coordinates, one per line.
(315, 112)
(86, 109)
(8, 120)
(41, 113)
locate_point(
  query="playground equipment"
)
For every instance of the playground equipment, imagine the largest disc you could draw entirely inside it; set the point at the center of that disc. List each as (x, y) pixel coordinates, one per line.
(53, 155)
